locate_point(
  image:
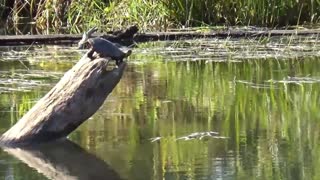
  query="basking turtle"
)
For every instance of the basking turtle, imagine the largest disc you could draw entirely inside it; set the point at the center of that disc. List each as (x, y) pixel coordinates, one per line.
(105, 48)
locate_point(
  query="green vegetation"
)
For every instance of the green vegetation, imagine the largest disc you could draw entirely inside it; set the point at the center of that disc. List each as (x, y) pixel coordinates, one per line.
(160, 14)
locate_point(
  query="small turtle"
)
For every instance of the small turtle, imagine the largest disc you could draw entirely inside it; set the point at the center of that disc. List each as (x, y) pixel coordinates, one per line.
(105, 48)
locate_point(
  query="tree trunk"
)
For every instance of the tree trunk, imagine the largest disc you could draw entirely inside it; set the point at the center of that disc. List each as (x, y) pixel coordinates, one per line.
(76, 97)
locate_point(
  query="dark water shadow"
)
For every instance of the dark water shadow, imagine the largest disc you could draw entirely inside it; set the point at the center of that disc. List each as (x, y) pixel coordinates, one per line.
(64, 160)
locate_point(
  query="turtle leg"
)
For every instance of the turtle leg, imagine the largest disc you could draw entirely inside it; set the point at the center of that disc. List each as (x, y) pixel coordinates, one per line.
(118, 62)
(107, 63)
(90, 54)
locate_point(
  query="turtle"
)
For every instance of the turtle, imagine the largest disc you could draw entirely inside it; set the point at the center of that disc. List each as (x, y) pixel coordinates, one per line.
(105, 48)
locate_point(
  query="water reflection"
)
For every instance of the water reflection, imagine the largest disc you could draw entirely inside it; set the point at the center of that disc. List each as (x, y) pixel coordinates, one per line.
(170, 90)
(64, 160)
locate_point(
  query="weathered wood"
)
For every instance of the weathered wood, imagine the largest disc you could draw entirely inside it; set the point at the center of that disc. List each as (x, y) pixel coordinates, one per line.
(154, 36)
(76, 97)
(64, 160)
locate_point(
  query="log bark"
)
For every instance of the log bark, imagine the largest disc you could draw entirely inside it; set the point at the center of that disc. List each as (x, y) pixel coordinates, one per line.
(153, 36)
(64, 160)
(76, 97)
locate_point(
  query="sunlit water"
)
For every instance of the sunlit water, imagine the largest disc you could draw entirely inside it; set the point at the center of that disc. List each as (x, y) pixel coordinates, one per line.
(261, 96)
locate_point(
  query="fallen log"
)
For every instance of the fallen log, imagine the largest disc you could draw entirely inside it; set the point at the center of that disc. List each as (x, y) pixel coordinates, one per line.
(153, 36)
(123, 37)
(221, 34)
(76, 97)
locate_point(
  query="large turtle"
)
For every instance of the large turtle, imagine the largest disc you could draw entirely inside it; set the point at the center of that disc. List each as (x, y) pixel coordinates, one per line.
(105, 48)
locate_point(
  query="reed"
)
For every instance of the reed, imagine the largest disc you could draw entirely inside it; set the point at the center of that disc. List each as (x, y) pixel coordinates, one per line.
(160, 15)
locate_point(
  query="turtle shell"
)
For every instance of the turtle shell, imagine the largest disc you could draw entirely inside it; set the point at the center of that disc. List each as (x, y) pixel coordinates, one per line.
(106, 48)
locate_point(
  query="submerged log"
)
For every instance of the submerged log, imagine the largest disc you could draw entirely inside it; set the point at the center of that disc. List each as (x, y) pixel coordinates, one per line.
(76, 97)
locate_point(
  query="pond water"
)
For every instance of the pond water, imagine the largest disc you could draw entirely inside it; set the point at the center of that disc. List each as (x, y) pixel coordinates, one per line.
(260, 95)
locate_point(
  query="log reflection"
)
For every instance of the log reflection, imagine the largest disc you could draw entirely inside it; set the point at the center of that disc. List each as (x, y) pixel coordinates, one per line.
(64, 160)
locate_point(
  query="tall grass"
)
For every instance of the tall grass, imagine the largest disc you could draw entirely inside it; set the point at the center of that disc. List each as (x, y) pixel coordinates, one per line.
(159, 15)
(243, 12)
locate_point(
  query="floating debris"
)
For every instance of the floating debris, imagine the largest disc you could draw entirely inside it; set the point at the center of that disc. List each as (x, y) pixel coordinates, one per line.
(256, 85)
(296, 80)
(201, 135)
(154, 139)
(286, 80)
(196, 135)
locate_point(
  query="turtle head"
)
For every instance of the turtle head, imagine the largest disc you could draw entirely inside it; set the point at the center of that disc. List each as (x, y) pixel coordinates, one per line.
(83, 42)
(128, 52)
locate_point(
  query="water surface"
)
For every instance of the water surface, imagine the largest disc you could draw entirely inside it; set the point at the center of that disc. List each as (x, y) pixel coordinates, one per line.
(262, 94)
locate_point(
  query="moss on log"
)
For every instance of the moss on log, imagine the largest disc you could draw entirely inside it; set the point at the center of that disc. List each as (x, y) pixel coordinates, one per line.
(76, 97)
